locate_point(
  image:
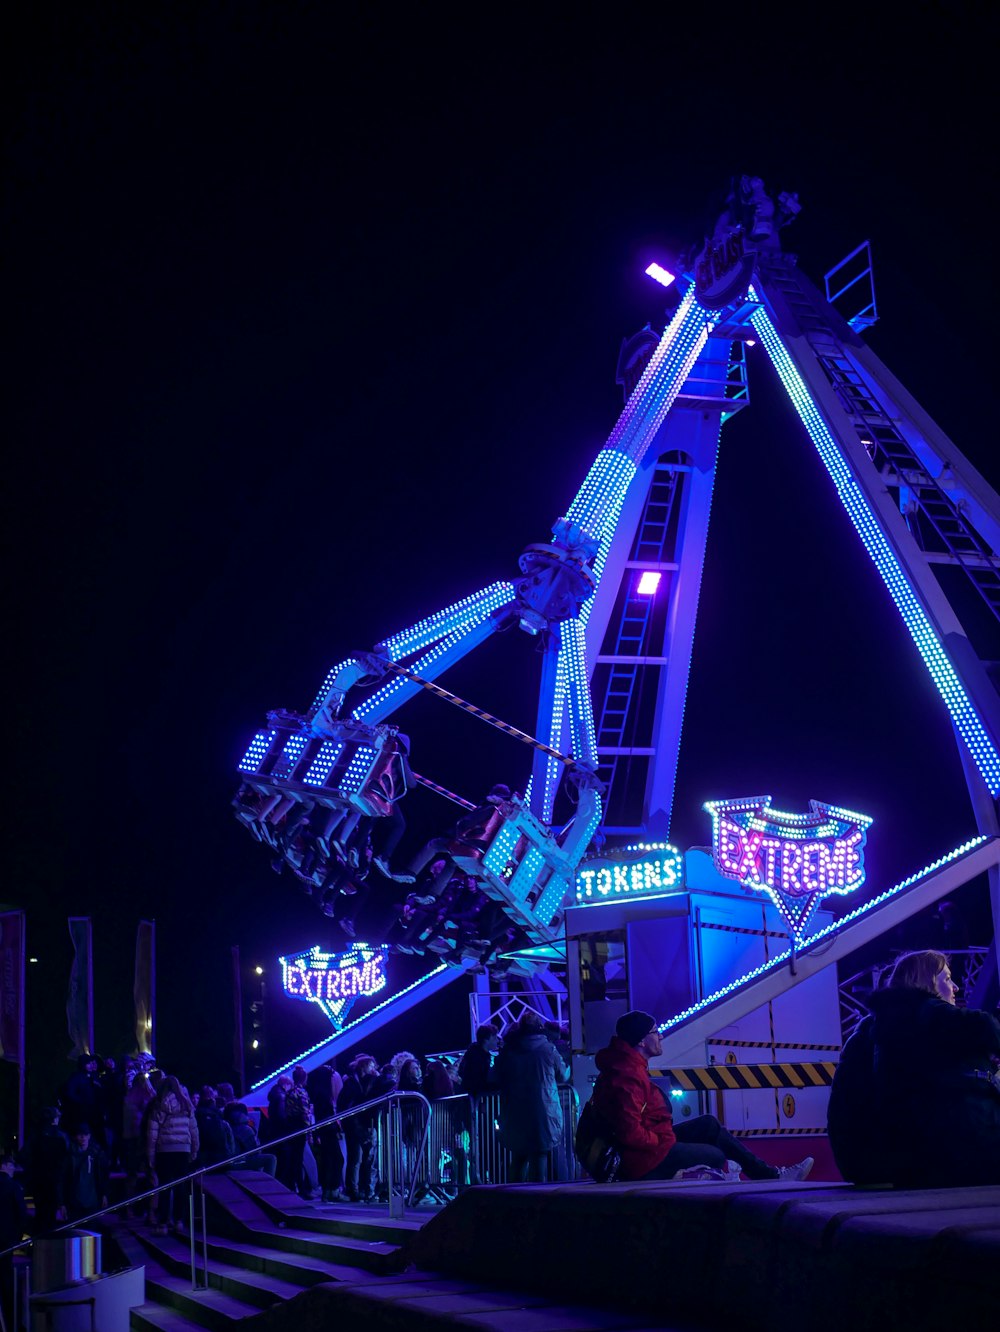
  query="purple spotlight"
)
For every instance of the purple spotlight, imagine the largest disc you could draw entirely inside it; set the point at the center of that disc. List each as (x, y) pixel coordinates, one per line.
(648, 583)
(660, 275)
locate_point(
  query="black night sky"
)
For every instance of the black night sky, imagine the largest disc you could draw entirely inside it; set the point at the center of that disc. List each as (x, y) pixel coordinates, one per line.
(313, 313)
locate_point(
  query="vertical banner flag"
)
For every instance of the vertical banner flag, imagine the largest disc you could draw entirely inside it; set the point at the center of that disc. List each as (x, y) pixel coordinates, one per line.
(12, 985)
(144, 987)
(80, 998)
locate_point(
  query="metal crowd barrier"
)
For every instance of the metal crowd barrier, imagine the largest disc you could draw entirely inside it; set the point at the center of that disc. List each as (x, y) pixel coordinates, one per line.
(464, 1147)
(422, 1149)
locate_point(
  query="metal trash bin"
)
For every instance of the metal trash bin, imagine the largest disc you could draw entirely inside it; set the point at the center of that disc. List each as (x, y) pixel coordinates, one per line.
(60, 1260)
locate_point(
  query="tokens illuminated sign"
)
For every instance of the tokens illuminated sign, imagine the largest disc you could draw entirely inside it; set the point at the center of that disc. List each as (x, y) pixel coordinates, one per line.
(648, 870)
(797, 859)
(334, 981)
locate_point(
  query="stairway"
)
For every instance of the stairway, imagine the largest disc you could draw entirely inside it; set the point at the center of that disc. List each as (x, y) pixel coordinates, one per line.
(280, 1264)
(265, 1246)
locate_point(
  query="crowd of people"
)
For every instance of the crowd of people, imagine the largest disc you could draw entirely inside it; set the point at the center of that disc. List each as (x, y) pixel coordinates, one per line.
(153, 1133)
(915, 1102)
(144, 1126)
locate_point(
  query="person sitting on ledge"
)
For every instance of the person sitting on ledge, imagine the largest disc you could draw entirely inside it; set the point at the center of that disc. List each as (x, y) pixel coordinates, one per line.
(651, 1145)
(915, 1100)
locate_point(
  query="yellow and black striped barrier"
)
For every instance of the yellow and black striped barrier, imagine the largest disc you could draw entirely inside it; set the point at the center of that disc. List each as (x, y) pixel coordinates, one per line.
(783, 1132)
(743, 1077)
(769, 1045)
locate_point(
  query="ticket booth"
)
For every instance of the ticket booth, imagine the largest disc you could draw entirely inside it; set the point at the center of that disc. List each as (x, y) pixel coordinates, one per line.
(659, 930)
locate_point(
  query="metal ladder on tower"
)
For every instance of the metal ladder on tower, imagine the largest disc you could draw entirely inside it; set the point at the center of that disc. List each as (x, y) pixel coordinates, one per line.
(631, 649)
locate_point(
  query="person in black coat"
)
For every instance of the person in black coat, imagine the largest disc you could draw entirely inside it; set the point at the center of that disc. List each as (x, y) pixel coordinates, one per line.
(215, 1135)
(324, 1086)
(915, 1101)
(45, 1161)
(13, 1223)
(363, 1083)
(529, 1070)
(474, 1068)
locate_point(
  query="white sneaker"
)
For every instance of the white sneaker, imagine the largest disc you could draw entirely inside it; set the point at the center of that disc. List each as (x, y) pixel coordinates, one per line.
(799, 1171)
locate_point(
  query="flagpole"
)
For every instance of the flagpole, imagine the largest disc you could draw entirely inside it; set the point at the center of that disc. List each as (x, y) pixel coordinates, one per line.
(238, 1051)
(152, 988)
(90, 986)
(21, 1035)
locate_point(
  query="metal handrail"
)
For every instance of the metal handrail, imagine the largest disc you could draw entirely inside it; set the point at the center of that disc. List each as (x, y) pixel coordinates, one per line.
(229, 1161)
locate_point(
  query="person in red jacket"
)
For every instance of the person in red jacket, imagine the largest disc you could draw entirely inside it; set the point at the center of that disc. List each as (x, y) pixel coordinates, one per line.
(652, 1146)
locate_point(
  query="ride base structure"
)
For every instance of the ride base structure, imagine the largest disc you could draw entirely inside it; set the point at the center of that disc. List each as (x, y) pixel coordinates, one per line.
(580, 862)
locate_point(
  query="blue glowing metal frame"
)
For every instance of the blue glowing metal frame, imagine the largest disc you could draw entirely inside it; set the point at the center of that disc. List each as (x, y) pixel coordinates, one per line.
(966, 719)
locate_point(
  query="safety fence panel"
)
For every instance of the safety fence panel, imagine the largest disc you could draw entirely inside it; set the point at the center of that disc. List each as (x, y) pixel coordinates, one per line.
(462, 1146)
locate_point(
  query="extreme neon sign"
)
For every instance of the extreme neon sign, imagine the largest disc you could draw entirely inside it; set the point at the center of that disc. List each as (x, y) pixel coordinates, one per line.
(646, 870)
(334, 981)
(797, 859)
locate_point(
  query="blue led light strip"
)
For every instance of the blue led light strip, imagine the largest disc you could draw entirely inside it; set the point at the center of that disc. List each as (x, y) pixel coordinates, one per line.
(255, 755)
(470, 610)
(964, 716)
(420, 667)
(554, 737)
(605, 484)
(323, 764)
(581, 713)
(357, 769)
(343, 1031)
(328, 684)
(644, 413)
(825, 933)
(612, 514)
(668, 367)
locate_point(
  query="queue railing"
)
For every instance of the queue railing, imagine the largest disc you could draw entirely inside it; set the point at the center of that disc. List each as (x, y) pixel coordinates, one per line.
(387, 1110)
(421, 1148)
(465, 1146)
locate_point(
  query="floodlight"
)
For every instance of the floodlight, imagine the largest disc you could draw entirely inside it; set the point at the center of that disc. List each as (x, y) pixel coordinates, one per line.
(659, 274)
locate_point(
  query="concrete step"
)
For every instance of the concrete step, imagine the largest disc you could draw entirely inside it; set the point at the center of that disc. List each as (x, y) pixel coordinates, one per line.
(372, 1256)
(430, 1304)
(155, 1318)
(173, 1255)
(236, 1212)
(300, 1268)
(361, 1220)
(211, 1308)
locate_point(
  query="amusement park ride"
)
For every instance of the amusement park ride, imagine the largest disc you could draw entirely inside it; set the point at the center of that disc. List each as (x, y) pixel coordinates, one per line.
(580, 864)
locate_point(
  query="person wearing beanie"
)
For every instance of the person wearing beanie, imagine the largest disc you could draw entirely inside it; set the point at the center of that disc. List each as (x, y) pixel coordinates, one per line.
(651, 1145)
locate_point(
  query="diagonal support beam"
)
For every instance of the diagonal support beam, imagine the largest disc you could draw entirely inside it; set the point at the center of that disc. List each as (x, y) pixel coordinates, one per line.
(911, 600)
(688, 1029)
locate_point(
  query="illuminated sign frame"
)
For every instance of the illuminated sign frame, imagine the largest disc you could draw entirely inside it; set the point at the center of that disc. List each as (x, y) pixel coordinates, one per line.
(797, 859)
(335, 981)
(724, 270)
(648, 869)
